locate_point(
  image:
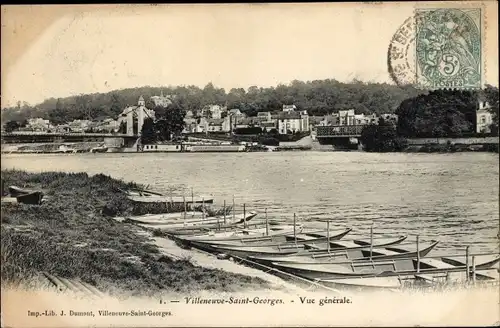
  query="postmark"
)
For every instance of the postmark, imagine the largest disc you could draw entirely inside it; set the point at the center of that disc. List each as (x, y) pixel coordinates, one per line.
(437, 49)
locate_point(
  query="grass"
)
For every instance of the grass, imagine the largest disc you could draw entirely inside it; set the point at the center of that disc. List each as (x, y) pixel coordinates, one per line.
(72, 235)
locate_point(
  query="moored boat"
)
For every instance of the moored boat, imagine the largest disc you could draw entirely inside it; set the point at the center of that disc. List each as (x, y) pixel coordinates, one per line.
(15, 191)
(170, 199)
(383, 268)
(161, 219)
(365, 253)
(179, 224)
(245, 251)
(411, 280)
(33, 198)
(279, 240)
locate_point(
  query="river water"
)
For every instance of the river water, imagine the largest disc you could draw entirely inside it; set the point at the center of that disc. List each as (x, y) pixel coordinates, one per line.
(453, 198)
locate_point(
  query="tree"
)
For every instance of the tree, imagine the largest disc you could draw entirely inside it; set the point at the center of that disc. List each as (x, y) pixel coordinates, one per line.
(441, 113)
(123, 128)
(491, 96)
(169, 121)
(148, 133)
(11, 126)
(382, 137)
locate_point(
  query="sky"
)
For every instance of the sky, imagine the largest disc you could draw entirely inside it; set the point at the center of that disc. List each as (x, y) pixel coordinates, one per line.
(85, 50)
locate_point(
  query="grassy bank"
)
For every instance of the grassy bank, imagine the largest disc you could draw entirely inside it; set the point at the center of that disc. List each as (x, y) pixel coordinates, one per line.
(72, 235)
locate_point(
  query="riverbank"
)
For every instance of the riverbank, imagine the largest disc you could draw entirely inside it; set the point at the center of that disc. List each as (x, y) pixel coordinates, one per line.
(72, 236)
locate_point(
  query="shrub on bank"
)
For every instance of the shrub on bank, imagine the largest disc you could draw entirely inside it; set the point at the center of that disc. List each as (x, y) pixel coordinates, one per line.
(69, 236)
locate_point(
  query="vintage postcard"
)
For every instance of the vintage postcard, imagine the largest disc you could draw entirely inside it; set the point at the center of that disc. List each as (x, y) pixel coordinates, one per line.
(214, 165)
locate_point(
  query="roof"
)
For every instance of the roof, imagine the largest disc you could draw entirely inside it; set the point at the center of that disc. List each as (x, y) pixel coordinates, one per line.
(268, 124)
(289, 116)
(215, 121)
(316, 119)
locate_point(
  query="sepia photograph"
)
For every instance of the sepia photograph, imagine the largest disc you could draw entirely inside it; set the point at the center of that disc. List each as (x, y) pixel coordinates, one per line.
(250, 165)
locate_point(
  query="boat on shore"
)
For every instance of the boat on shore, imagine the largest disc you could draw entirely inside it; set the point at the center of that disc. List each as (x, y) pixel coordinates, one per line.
(376, 253)
(384, 268)
(171, 199)
(322, 248)
(207, 222)
(33, 198)
(425, 280)
(204, 230)
(278, 240)
(15, 191)
(25, 196)
(159, 219)
(290, 247)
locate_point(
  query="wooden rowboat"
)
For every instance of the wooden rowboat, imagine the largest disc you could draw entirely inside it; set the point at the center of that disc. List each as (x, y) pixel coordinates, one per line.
(163, 219)
(276, 236)
(33, 198)
(410, 281)
(383, 268)
(204, 230)
(17, 191)
(246, 251)
(407, 250)
(211, 221)
(277, 241)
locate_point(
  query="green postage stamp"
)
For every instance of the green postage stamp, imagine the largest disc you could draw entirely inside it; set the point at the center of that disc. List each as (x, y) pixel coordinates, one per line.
(439, 49)
(448, 48)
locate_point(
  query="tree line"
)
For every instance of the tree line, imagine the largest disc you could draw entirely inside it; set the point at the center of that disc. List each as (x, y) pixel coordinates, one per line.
(319, 97)
(437, 114)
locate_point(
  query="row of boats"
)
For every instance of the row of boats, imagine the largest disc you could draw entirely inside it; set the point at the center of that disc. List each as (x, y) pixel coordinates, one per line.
(323, 256)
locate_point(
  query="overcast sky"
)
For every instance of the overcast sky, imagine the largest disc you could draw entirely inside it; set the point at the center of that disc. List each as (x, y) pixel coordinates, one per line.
(228, 45)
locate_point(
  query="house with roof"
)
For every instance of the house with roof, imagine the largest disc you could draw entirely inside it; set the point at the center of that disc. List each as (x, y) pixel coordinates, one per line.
(484, 118)
(264, 116)
(39, 124)
(162, 100)
(293, 121)
(289, 108)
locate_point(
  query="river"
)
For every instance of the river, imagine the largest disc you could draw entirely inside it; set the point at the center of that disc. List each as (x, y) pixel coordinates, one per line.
(453, 198)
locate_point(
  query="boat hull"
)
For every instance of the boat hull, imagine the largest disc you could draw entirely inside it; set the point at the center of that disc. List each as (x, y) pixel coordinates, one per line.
(244, 248)
(346, 255)
(382, 268)
(34, 198)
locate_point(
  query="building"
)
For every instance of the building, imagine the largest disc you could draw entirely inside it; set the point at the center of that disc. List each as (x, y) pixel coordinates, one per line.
(484, 118)
(139, 111)
(162, 100)
(289, 108)
(264, 116)
(80, 125)
(332, 119)
(215, 125)
(292, 121)
(213, 111)
(347, 117)
(268, 126)
(189, 125)
(39, 124)
(108, 125)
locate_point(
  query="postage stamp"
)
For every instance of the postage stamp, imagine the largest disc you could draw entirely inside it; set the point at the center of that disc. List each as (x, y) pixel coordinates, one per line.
(438, 48)
(448, 48)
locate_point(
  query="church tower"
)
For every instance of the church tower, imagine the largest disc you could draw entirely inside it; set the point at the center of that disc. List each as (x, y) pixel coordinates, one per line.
(141, 101)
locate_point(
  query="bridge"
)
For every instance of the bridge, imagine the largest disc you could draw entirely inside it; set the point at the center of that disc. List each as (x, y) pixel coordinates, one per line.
(48, 137)
(345, 136)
